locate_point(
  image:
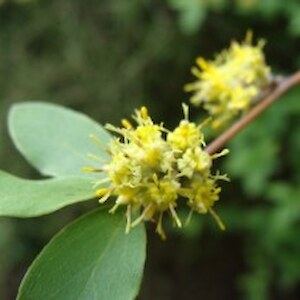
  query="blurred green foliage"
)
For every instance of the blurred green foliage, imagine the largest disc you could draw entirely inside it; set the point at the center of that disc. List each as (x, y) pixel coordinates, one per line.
(192, 13)
(104, 58)
(266, 169)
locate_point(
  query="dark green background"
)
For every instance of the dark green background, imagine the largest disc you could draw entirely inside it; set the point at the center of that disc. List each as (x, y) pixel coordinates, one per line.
(107, 57)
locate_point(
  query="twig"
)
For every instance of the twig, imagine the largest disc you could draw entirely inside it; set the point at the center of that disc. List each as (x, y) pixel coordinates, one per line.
(280, 89)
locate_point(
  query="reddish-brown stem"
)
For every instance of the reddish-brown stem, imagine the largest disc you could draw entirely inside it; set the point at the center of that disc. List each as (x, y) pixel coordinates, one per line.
(280, 89)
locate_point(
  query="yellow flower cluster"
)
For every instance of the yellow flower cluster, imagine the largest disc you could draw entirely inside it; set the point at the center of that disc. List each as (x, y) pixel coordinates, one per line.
(151, 167)
(227, 85)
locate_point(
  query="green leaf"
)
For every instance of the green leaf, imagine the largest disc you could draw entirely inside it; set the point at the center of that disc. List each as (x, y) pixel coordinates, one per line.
(90, 259)
(29, 198)
(54, 139)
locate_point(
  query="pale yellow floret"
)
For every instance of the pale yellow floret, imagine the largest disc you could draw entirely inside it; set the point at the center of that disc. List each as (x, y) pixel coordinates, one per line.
(201, 194)
(194, 160)
(163, 193)
(186, 135)
(153, 156)
(147, 134)
(150, 167)
(229, 84)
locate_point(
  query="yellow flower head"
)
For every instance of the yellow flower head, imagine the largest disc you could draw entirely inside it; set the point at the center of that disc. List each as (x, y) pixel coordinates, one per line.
(150, 167)
(228, 85)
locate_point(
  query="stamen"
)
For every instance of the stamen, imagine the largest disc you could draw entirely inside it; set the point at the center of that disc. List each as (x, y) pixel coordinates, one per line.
(201, 62)
(101, 192)
(114, 208)
(249, 37)
(205, 122)
(95, 157)
(144, 112)
(197, 73)
(159, 227)
(91, 170)
(104, 198)
(185, 109)
(126, 124)
(221, 177)
(217, 218)
(190, 87)
(141, 217)
(222, 153)
(189, 218)
(99, 182)
(99, 144)
(175, 216)
(115, 129)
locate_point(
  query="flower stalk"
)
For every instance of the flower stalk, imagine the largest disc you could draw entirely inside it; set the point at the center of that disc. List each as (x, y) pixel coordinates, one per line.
(273, 94)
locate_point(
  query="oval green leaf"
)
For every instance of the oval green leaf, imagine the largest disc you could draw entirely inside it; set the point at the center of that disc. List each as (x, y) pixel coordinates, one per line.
(90, 259)
(30, 198)
(54, 139)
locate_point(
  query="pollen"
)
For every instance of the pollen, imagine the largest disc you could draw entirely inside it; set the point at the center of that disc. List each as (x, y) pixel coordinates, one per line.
(228, 85)
(152, 171)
